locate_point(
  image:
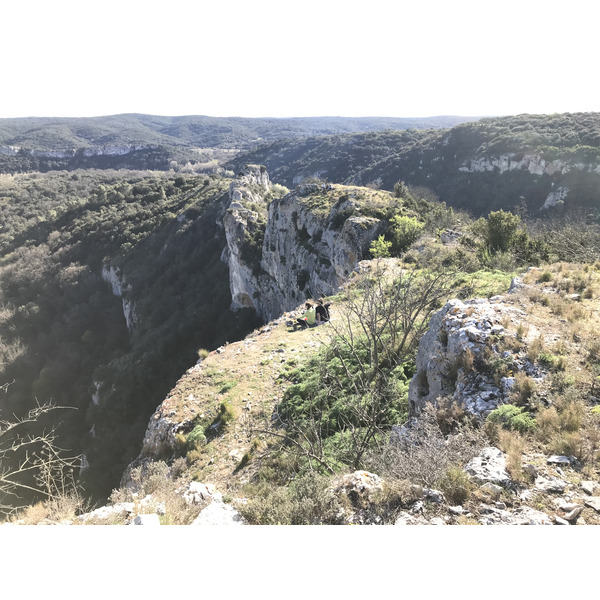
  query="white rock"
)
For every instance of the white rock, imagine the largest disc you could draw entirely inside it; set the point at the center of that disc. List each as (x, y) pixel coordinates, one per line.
(219, 513)
(552, 484)
(573, 514)
(589, 487)
(593, 502)
(489, 466)
(151, 519)
(560, 460)
(197, 492)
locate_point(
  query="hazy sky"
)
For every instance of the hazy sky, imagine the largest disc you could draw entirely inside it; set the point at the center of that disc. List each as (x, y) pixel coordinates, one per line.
(279, 58)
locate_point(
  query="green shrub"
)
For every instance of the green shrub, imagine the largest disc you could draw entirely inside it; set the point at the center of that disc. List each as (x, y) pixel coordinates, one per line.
(227, 386)
(512, 417)
(380, 248)
(500, 230)
(196, 437)
(226, 413)
(547, 359)
(404, 232)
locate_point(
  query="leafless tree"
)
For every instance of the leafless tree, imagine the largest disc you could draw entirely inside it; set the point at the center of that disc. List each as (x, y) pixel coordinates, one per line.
(383, 319)
(375, 330)
(32, 462)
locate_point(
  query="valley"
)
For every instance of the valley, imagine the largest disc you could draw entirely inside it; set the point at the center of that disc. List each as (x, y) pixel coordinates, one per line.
(118, 275)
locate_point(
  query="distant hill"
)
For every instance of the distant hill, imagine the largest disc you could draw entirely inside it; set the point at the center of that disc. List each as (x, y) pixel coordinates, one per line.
(42, 133)
(135, 141)
(492, 163)
(526, 161)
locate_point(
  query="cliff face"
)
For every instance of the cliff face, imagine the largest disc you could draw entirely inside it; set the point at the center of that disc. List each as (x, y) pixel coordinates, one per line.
(303, 245)
(109, 150)
(244, 224)
(120, 288)
(534, 164)
(305, 254)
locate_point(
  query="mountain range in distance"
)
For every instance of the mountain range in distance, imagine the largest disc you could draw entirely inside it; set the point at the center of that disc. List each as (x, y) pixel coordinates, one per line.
(61, 133)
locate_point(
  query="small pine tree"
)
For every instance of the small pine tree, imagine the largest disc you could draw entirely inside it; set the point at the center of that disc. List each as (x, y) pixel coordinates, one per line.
(380, 248)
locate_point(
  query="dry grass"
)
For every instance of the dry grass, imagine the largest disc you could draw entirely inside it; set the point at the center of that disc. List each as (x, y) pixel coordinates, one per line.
(513, 445)
(523, 389)
(156, 479)
(535, 348)
(560, 428)
(56, 510)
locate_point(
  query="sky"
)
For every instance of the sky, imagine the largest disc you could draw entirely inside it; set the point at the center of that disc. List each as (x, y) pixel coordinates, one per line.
(275, 58)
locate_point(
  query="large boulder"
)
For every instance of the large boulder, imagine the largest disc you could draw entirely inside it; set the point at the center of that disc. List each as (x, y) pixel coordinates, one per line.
(459, 336)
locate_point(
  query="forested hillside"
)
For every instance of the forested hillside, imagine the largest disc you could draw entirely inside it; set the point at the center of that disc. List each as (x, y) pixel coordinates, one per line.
(193, 131)
(495, 163)
(62, 328)
(133, 141)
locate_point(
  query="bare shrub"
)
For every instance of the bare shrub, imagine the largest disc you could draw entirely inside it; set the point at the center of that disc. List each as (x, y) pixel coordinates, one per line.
(573, 237)
(31, 463)
(58, 509)
(422, 454)
(308, 500)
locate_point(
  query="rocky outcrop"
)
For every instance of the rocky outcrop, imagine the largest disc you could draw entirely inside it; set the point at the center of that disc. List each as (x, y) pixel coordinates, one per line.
(556, 197)
(459, 335)
(489, 467)
(306, 251)
(535, 164)
(244, 224)
(120, 288)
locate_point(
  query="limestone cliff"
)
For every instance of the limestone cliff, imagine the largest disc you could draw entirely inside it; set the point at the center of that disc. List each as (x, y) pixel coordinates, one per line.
(106, 150)
(535, 165)
(244, 224)
(120, 288)
(302, 245)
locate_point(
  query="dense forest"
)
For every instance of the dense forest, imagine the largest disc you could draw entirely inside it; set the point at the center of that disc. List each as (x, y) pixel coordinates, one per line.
(62, 329)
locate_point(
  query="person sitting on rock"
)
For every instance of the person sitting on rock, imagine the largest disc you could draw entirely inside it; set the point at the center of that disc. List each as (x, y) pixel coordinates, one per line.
(308, 318)
(322, 311)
